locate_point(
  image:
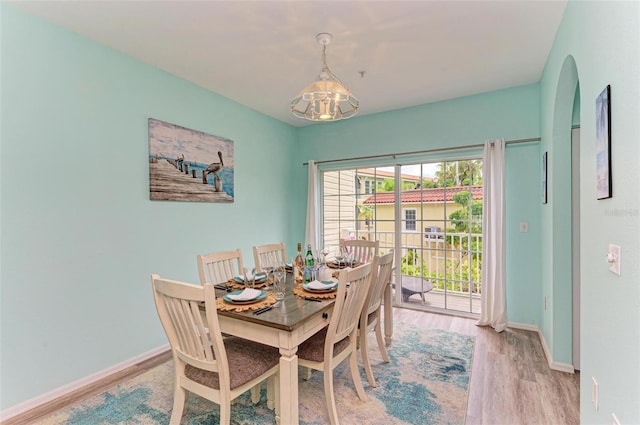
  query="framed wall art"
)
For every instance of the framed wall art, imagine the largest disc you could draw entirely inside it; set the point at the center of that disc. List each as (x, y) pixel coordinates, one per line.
(189, 165)
(544, 178)
(603, 144)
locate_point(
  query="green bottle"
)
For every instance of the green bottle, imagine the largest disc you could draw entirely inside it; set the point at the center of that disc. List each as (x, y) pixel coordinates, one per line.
(308, 265)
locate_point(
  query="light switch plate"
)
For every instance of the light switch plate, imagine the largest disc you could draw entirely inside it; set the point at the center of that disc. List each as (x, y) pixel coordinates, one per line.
(594, 392)
(613, 258)
(614, 419)
(524, 226)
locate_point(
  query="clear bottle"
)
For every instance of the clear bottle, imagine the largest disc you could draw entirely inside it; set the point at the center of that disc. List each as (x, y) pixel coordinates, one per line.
(298, 266)
(309, 263)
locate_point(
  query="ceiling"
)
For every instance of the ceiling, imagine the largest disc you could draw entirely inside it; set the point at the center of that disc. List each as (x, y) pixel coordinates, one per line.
(262, 53)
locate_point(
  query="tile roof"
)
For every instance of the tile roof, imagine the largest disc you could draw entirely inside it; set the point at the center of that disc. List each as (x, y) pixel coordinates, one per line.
(415, 196)
(381, 173)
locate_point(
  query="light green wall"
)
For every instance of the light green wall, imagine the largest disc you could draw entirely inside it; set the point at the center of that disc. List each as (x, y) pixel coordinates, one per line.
(80, 237)
(523, 194)
(511, 114)
(598, 43)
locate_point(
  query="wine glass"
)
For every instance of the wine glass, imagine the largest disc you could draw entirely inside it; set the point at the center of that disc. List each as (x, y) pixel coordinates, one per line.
(344, 254)
(268, 269)
(249, 278)
(324, 251)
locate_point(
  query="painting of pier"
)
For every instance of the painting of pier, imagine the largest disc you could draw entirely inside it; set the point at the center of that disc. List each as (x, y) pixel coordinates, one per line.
(189, 165)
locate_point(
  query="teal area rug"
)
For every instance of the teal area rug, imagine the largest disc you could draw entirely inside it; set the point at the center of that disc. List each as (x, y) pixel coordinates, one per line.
(426, 383)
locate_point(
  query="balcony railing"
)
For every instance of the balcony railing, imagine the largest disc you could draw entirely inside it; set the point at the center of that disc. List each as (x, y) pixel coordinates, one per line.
(451, 261)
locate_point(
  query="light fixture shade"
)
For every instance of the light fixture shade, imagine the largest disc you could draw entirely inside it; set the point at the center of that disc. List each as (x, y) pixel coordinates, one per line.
(326, 99)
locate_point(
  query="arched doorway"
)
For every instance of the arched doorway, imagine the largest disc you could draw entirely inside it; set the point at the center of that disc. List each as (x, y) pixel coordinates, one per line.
(566, 216)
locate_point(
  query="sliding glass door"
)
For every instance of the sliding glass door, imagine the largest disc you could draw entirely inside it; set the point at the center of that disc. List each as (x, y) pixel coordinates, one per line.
(430, 214)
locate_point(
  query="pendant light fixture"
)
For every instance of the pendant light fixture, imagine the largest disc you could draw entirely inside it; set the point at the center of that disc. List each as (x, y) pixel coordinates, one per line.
(326, 99)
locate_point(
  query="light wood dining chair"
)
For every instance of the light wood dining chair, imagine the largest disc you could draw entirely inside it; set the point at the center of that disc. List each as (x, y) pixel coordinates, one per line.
(272, 255)
(220, 267)
(338, 341)
(370, 318)
(362, 251)
(204, 363)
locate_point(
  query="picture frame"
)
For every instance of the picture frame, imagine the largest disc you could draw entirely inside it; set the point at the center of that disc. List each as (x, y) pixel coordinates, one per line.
(189, 165)
(603, 144)
(544, 178)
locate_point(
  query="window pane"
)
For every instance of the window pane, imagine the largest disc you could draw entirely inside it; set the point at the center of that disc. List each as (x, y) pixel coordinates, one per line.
(440, 222)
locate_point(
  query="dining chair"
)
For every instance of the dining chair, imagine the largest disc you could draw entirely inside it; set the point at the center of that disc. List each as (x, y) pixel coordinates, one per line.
(272, 255)
(220, 267)
(370, 317)
(338, 341)
(362, 251)
(204, 363)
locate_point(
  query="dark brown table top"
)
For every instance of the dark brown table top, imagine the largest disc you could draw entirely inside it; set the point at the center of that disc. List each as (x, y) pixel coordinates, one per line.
(287, 314)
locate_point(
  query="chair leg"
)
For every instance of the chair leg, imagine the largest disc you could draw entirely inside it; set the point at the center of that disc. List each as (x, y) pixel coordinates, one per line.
(365, 356)
(270, 392)
(329, 395)
(179, 401)
(306, 373)
(255, 394)
(355, 375)
(225, 413)
(276, 387)
(381, 346)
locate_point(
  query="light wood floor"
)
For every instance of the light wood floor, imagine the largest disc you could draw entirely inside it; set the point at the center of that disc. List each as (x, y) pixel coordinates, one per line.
(511, 382)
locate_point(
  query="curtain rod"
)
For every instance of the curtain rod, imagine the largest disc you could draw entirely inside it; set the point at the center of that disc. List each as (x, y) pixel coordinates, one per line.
(393, 155)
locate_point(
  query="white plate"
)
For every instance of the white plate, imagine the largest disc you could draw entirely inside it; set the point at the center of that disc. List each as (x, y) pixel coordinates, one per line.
(247, 294)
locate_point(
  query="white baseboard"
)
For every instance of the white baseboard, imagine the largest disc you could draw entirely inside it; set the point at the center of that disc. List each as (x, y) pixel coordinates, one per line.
(561, 367)
(66, 389)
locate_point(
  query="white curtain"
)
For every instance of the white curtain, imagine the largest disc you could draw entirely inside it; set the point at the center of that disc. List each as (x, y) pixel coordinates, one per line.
(311, 231)
(494, 299)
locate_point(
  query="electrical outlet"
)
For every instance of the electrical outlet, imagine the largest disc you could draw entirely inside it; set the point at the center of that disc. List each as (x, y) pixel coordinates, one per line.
(594, 392)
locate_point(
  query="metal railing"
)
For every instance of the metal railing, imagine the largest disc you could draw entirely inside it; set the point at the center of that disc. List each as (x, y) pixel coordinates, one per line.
(451, 261)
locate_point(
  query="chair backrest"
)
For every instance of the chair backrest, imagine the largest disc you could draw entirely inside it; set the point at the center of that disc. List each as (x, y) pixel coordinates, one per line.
(382, 279)
(349, 302)
(193, 340)
(361, 250)
(271, 255)
(220, 267)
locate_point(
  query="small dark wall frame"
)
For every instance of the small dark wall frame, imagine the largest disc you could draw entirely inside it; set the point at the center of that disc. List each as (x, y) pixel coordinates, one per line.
(544, 178)
(603, 144)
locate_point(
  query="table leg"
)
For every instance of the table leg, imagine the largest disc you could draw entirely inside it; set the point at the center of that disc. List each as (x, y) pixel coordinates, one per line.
(288, 387)
(388, 315)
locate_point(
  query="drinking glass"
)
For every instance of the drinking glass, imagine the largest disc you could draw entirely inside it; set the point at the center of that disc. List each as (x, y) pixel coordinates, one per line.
(322, 253)
(279, 282)
(344, 255)
(268, 269)
(249, 278)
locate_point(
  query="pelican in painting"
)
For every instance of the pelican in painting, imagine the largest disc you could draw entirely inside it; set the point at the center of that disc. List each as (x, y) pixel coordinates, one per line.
(214, 167)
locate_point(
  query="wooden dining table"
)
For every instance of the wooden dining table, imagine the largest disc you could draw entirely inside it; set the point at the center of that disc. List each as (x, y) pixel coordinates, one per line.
(289, 323)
